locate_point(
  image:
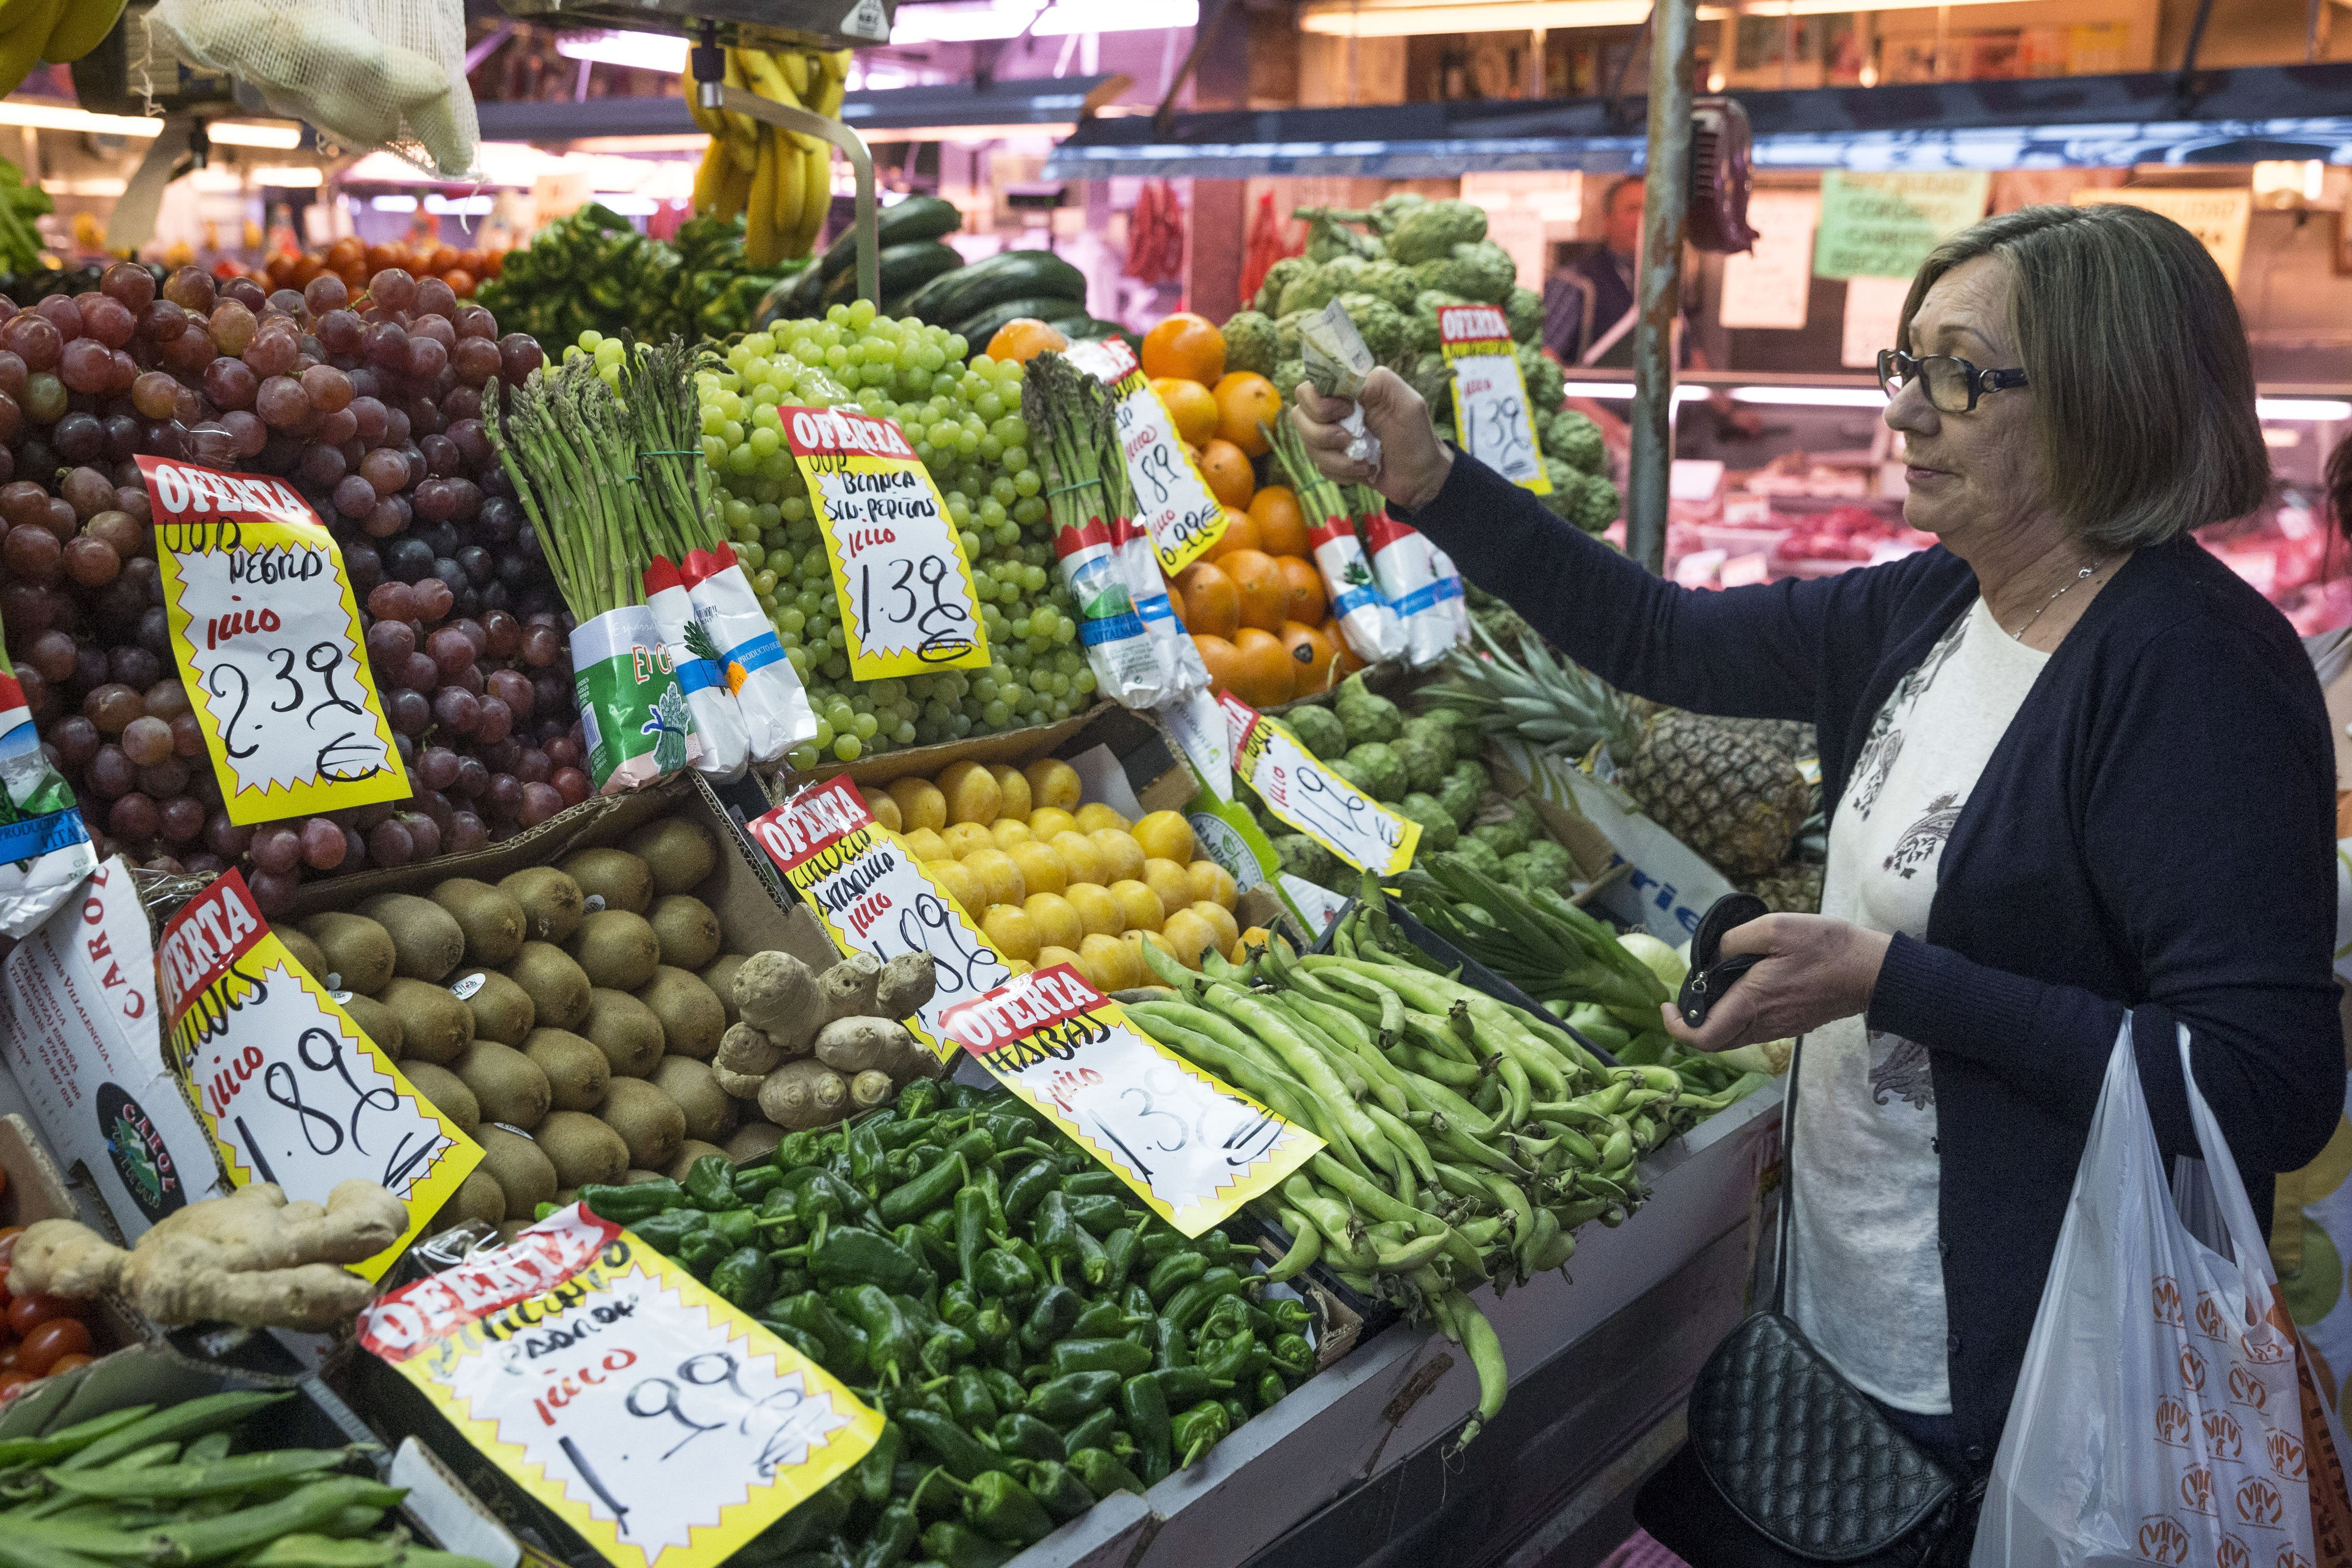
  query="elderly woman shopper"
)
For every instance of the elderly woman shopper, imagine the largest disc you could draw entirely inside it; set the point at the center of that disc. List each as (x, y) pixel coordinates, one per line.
(2078, 772)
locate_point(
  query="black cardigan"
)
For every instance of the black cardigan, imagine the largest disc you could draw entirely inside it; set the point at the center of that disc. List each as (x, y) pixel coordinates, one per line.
(2153, 831)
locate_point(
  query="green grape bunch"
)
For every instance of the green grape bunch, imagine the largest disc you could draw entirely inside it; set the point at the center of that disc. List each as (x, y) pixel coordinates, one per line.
(964, 422)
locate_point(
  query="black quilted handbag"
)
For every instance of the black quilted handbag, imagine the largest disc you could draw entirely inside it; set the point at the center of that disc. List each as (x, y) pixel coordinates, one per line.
(1787, 1463)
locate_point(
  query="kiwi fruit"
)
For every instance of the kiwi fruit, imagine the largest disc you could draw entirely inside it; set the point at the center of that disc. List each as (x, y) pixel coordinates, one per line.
(689, 1152)
(648, 1121)
(508, 1086)
(479, 1198)
(687, 930)
(617, 949)
(434, 1026)
(445, 1093)
(720, 976)
(426, 943)
(619, 878)
(576, 1070)
(583, 1149)
(552, 903)
(502, 1010)
(636, 1175)
(755, 1140)
(306, 952)
(710, 1111)
(557, 987)
(626, 1030)
(520, 1166)
(692, 1017)
(376, 1022)
(491, 919)
(355, 953)
(677, 853)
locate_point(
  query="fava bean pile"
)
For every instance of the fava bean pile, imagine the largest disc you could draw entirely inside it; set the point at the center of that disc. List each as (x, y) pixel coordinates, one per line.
(1035, 1341)
(166, 1487)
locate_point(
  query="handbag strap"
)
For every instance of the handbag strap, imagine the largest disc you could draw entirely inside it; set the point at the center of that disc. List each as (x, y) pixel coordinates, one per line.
(1787, 1179)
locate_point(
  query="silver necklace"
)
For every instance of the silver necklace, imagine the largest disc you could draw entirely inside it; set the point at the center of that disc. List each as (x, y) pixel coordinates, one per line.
(2083, 575)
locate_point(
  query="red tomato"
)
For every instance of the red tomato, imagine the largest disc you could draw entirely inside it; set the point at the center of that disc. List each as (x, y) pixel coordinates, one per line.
(26, 1313)
(11, 1380)
(59, 1336)
(8, 1355)
(65, 1364)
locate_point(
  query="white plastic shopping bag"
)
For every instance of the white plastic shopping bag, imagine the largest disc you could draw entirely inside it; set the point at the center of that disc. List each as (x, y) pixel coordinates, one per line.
(2162, 1416)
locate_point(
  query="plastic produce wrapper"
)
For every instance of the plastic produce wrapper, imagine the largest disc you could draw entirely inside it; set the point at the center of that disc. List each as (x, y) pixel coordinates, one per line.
(1451, 595)
(1366, 619)
(772, 703)
(1409, 581)
(1119, 651)
(1181, 668)
(639, 724)
(44, 848)
(1337, 364)
(725, 750)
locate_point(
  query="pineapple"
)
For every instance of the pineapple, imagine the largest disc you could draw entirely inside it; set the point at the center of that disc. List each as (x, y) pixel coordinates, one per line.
(1791, 889)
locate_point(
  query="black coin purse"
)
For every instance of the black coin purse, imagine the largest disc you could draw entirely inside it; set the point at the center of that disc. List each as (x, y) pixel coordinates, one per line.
(1711, 974)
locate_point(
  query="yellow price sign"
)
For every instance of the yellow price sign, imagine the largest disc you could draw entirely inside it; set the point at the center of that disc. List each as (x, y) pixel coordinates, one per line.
(291, 1089)
(1314, 799)
(652, 1416)
(1173, 498)
(1492, 420)
(267, 635)
(1192, 1148)
(907, 603)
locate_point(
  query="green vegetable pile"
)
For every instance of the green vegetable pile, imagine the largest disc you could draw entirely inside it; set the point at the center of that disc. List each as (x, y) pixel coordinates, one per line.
(1035, 1341)
(1467, 1139)
(713, 292)
(591, 271)
(166, 1487)
(20, 204)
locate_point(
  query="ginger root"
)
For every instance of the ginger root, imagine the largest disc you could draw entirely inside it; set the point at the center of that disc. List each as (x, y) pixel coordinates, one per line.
(250, 1259)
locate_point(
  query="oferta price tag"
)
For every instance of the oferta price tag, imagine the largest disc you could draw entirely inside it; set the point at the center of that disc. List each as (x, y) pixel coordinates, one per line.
(1314, 799)
(291, 1089)
(647, 1413)
(1192, 1148)
(907, 603)
(874, 897)
(1492, 421)
(1173, 499)
(267, 635)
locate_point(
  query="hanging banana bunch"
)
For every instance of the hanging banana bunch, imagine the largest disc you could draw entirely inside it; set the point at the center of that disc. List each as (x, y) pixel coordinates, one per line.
(780, 180)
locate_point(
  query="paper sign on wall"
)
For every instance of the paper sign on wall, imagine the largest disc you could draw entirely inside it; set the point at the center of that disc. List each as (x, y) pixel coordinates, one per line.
(293, 1091)
(1884, 225)
(657, 1419)
(875, 897)
(2218, 219)
(1770, 284)
(1492, 421)
(267, 635)
(907, 603)
(1873, 313)
(1314, 799)
(1172, 501)
(79, 1029)
(1192, 1148)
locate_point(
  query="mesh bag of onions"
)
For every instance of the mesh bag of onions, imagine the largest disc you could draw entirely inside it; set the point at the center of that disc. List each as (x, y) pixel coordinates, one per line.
(368, 73)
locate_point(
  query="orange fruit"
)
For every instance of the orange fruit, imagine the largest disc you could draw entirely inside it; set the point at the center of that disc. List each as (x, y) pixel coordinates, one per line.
(1024, 337)
(1265, 597)
(1213, 604)
(1281, 526)
(1176, 602)
(1305, 585)
(1263, 674)
(1190, 405)
(1186, 345)
(1240, 534)
(1346, 663)
(1226, 467)
(1245, 398)
(1218, 657)
(1310, 656)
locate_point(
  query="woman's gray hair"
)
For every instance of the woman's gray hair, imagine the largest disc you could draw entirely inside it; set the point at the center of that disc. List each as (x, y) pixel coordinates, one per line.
(2142, 388)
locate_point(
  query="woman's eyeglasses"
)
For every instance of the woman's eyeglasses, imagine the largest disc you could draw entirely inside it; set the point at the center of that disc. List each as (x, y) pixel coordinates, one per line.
(1953, 384)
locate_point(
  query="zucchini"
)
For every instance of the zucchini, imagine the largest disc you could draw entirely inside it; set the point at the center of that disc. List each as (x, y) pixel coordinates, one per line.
(904, 268)
(915, 218)
(1059, 313)
(1096, 328)
(1008, 274)
(792, 299)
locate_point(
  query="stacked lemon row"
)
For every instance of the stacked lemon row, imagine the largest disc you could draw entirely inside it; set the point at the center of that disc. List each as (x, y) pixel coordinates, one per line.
(1053, 881)
(780, 180)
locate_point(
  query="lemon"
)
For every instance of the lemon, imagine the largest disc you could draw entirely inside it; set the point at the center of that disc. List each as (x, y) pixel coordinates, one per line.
(1058, 925)
(1188, 936)
(967, 838)
(1122, 856)
(1052, 954)
(962, 885)
(1109, 963)
(1048, 822)
(1166, 835)
(1145, 973)
(1013, 788)
(1082, 858)
(881, 807)
(1255, 937)
(1169, 879)
(1093, 816)
(1228, 933)
(1010, 931)
(999, 879)
(1139, 905)
(1212, 883)
(926, 845)
(1098, 912)
(1041, 869)
(971, 793)
(1052, 782)
(920, 804)
(1008, 832)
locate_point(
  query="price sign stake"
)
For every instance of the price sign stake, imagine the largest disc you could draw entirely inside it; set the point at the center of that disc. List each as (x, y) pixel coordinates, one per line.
(649, 1413)
(267, 635)
(1194, 1149)
(1492, 421)
(874, 897)
(1172, 501)
(907, 603)
(1314, 799)
(291, 1089)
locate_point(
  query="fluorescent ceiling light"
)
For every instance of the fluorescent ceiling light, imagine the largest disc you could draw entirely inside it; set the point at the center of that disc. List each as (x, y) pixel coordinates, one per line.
(1813, 397)
(1401, 19)
(65, 117)
(625, 146)
(972, 21)
(91, 187)
(393, 203)
(2301, 408)
(247, 134)
(1622, 392)
(628, 206)
(292, 176)
(645, 51)
(459, 206)
(970, 135)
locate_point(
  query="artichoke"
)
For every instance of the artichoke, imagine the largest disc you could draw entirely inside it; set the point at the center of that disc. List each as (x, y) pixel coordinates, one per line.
(1287, 374)
(1575, 441)
(1318, 729)
(1484, 272)
(1425, 759)
(1524, 309)
(1597, 504)
(1367, 715)
(1546, 383)
(1278, 277)
(1379, 323)
(1312, 290)
(1375, 767)
(1479, 856)
(1437, 829)
(1392, 282)
(1329, 239)
(1303, 857)
(1250, 343)
(1432, 229)
(1390, 210)
(1423, 325)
